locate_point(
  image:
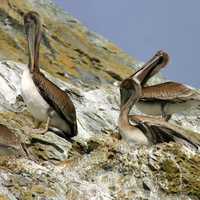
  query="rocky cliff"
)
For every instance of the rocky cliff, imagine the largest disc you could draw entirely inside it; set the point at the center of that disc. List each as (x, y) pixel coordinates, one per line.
(97, 164)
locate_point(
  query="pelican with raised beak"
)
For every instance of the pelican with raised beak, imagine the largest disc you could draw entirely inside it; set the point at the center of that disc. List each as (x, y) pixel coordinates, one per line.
(166, 98)
(45, 101)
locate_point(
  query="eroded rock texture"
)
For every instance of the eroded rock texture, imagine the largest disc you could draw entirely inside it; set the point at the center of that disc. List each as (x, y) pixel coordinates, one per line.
(97, 164)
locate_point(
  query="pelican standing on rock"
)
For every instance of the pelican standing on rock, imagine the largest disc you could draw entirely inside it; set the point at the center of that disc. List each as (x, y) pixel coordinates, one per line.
(145, 130)
(165, 98)
(44, 99)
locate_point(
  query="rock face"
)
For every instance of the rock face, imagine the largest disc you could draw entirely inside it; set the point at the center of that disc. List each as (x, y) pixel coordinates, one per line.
(97, 164)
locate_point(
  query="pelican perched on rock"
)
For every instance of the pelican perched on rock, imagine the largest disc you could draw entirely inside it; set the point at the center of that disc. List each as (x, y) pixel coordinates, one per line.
(44, 99)
(165, 98)
(145, 130)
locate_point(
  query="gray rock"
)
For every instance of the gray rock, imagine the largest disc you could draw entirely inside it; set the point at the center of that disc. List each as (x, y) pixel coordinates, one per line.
(96, 164)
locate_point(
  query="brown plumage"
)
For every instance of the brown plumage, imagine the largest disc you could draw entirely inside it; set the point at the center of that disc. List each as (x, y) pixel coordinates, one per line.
(44, 99)
(165, 98)
(158, 131)
(151, 67)
(146, 130)
(58, 101)
(170, 91)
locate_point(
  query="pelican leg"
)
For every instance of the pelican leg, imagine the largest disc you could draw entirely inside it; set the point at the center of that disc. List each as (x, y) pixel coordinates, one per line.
(47, 125)
(165, 116)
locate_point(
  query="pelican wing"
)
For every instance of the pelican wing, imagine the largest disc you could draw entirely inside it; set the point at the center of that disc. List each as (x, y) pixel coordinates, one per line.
(170, 91)
(172, 135)
(151, 129)
(58, 100)
(158, 131)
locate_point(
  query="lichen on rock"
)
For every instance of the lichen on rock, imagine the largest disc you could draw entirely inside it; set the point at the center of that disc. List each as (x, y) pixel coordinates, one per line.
(96, 164)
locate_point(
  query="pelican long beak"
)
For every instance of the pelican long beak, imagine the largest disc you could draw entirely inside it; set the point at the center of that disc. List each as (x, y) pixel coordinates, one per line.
(30, 32)
(152, 67)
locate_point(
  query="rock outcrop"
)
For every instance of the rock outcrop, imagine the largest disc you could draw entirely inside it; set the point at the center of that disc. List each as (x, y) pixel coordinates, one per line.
(96, 164)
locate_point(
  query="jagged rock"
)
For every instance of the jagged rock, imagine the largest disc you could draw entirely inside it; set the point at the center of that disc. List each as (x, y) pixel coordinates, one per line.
(96, 164)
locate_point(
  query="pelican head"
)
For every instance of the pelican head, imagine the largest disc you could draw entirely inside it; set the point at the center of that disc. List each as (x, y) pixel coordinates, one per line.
(161, 59)
(152, 67)
(33, 31)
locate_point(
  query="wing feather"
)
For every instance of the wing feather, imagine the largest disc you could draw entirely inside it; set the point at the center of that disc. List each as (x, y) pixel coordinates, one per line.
(161, 131)
(58, 100)
(170, 91)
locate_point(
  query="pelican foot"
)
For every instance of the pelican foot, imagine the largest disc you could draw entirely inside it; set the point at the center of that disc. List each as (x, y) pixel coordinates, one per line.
(35, 130)
(38, 130)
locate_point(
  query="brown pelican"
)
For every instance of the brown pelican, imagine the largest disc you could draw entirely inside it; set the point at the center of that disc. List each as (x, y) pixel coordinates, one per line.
(44, 99)
(165, 98)
(145, 130)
